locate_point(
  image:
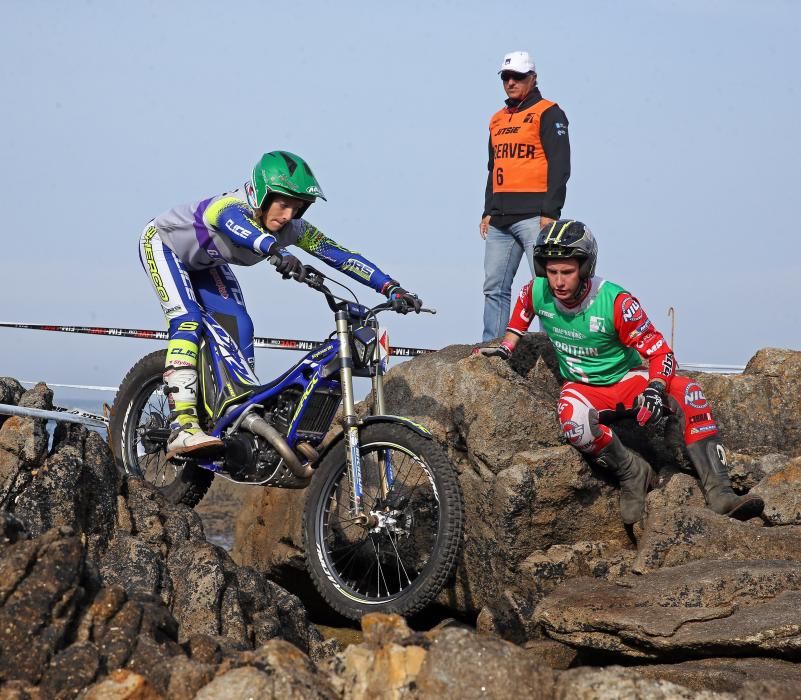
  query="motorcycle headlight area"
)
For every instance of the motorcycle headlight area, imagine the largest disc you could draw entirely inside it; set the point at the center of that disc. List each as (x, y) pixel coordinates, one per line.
(362, 345)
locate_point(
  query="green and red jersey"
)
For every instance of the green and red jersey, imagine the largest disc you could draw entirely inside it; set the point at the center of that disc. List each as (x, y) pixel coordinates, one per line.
(602, 338)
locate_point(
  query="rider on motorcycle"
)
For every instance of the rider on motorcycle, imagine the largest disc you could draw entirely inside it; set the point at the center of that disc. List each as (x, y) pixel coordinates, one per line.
(601, 334)
(187, 252)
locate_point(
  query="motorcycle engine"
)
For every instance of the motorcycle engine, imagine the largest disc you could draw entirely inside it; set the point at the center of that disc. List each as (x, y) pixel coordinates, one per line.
(249, 458)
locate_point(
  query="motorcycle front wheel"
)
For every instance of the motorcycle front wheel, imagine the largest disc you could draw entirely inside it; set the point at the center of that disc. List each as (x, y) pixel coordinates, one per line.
(399, 553)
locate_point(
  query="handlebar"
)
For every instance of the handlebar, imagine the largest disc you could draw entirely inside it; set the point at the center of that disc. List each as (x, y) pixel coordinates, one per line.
(316, 280)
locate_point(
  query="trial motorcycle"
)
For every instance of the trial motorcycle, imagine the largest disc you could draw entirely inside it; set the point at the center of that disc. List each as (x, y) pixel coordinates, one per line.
(383, 517)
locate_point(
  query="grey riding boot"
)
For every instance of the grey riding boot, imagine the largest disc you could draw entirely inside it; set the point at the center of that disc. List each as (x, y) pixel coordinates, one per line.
(709, 460)
(635, 475)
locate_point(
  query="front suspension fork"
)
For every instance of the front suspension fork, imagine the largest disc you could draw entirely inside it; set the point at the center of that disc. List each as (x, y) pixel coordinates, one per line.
(352, 441)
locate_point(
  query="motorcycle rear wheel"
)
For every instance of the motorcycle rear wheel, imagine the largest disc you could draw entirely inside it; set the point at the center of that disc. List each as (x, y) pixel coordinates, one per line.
(140, 403)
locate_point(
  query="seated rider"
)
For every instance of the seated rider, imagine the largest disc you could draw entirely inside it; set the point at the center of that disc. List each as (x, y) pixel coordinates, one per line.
(187, 252)
(600, 334)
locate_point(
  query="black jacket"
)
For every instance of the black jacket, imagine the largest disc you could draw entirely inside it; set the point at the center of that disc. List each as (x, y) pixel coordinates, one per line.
(508, 207)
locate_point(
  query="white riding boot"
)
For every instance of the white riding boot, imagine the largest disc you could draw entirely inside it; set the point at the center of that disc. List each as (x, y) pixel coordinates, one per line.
(186, 436)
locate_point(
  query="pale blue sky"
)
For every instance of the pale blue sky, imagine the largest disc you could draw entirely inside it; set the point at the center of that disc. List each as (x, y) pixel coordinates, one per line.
(684, 127)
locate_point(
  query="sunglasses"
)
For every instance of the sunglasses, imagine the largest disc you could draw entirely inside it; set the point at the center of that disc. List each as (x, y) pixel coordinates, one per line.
(508, 75)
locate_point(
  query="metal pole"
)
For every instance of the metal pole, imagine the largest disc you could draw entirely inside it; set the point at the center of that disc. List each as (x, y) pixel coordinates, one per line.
(672, 313)
(63, 416)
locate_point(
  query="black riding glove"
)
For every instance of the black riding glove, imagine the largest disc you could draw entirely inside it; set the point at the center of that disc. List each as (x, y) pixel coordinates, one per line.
(652, 404)
(288, 265)
(402, 300)
(503, 351)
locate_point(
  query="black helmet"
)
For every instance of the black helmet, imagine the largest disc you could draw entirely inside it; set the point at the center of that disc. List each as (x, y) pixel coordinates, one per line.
(566, 239)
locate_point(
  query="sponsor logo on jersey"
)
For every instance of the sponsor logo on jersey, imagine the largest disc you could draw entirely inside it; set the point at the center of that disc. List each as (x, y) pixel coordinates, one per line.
(236, 229)
(152, 268)
(358, 268)
(575, 350)
(658, 344)
(570, 333)
(632, 311)
(703, 429)
(597, 324)
(547, 314)
(222, 290)
(694, 396)
(507, 130)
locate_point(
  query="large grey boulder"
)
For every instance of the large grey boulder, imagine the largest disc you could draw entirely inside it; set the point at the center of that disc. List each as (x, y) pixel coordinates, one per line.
(705, 608)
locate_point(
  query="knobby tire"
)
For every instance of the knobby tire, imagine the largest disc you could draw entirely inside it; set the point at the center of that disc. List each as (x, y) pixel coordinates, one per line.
(142, 383)
(324, 536)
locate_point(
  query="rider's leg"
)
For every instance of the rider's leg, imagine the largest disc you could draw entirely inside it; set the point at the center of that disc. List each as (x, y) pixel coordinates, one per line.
(219, 292)
(579, 406)
(707, 454)
(174, 287)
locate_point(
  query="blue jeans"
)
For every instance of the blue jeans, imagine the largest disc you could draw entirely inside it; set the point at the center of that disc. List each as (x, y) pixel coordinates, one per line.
(504, 249)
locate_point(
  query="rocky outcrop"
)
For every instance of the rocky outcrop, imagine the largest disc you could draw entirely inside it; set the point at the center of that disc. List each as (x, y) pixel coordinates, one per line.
(526, 491)
(98, 573)
(707, 608)
(120, 592)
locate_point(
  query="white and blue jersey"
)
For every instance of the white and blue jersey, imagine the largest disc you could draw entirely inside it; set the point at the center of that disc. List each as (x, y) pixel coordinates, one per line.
(222, 229)
(188, 252)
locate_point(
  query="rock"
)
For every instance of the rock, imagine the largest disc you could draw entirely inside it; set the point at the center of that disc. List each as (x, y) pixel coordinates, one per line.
(462, 664)
(40, 596)
(122, 685)
(615, 682)
(73, 487)
(551, 653)
(775, 678)
(752, 408)
(674, 537)
(704, 608)
(275, 670)
(27, 438)
(782, 494)
(10, 393)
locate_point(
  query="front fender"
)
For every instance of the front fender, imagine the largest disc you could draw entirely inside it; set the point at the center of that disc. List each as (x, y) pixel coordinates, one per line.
(419, 429)
(369, 420)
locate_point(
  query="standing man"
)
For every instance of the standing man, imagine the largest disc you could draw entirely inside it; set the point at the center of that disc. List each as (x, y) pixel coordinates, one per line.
(529, 165)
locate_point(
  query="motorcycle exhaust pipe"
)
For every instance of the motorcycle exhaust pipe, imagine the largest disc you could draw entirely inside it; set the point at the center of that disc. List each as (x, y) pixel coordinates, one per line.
(256, 424)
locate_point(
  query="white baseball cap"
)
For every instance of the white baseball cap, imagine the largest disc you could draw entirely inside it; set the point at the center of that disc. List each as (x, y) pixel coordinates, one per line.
(518, 62)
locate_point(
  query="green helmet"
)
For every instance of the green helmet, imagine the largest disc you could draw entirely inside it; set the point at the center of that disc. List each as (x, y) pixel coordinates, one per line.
(283, 172)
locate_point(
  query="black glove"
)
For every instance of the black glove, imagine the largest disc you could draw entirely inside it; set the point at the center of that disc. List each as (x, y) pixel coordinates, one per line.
(402, 301)
(287, 265)
(652, 404)
(499, 351)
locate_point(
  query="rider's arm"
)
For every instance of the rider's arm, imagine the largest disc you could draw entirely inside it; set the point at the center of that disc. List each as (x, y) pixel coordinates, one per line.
(522, 316)
(233, 218)
(635, 330)
(314, 241)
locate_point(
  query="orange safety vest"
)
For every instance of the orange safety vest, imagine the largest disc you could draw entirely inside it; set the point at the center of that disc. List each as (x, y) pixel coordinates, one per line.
(519, 163)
